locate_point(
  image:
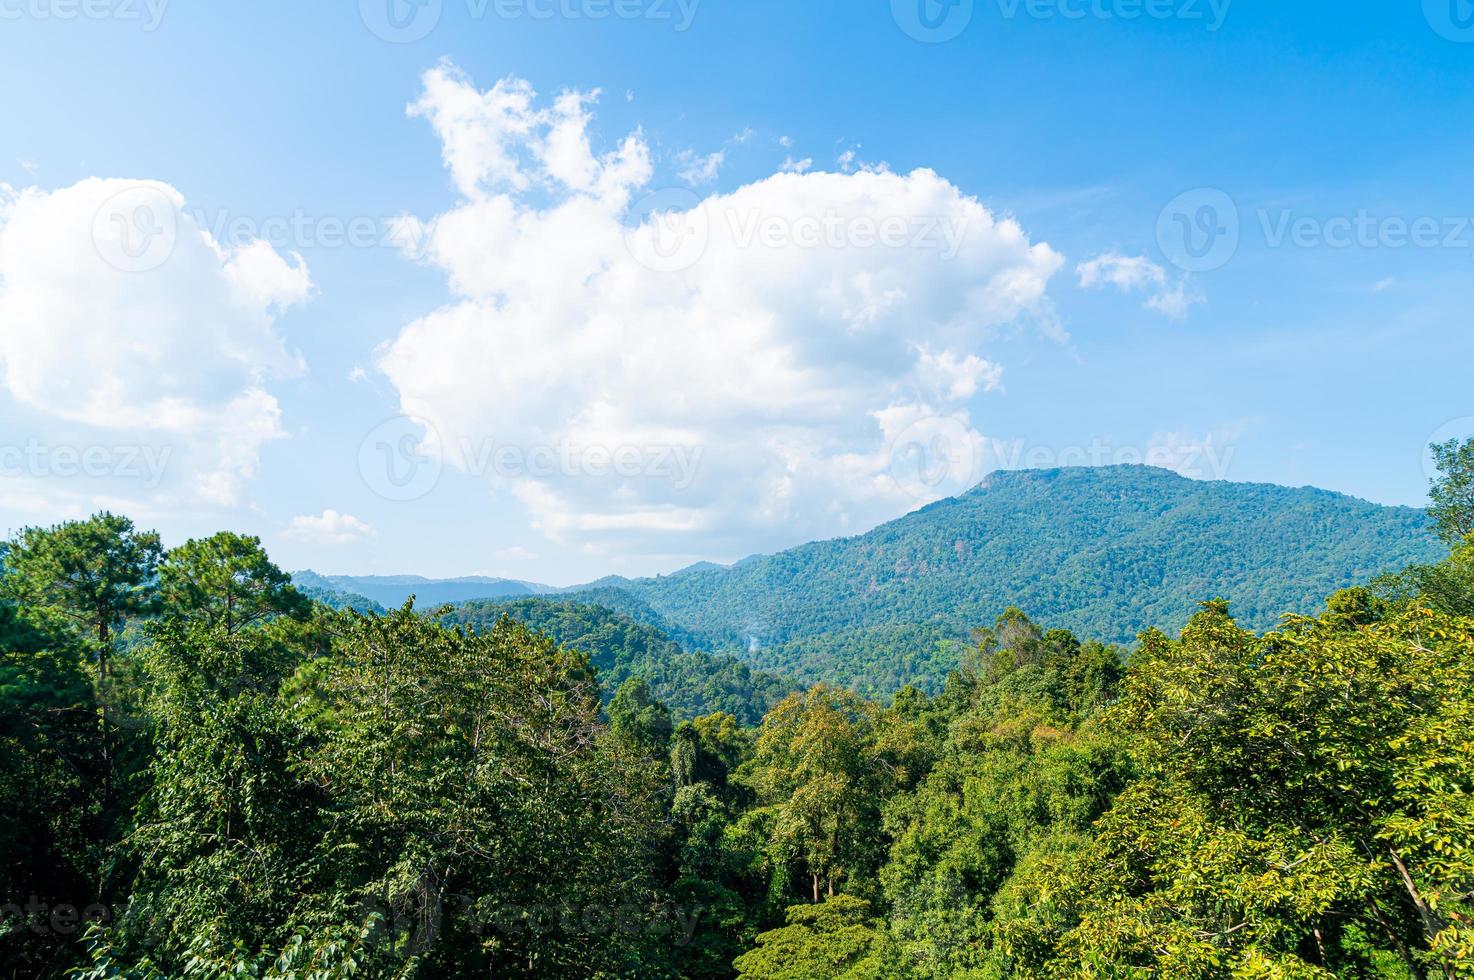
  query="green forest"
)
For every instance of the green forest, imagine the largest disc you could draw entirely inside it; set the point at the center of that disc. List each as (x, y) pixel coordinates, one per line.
(210, 773)
(1105, 552)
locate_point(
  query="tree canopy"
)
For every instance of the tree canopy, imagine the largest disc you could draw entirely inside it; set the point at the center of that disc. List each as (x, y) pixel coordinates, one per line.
(263, 784)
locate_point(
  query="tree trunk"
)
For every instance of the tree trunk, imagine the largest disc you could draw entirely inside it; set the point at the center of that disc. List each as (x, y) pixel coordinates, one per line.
(815, 876)
(104, 735)
(1407, 957)
(1432, 925)
(104, 644)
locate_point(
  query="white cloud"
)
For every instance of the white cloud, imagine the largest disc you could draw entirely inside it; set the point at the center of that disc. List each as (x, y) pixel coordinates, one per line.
(1126, 273)
(792, 166)
(497, 140)
(329, 527)
(1137, 273)
(699, 170)
(119, 312)
(1174, 301)
(1206, 457)
(1382, 285)
(730, 369)
(514, 553)
(955, 377)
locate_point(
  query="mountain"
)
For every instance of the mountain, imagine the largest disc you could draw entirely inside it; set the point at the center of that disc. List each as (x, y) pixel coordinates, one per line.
(392, 590)
(1105, 552)
(690, 683)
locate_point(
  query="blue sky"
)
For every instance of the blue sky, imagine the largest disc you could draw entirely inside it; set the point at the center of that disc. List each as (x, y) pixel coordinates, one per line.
(769, 389)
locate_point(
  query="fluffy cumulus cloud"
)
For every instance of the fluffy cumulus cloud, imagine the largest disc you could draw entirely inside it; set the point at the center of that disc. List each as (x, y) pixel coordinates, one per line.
(329, 527)
(122, 317)
(1137, 273)
(795, 357)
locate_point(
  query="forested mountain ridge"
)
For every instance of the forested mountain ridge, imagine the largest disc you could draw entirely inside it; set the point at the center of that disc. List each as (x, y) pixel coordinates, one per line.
(620, 647)
(1105, 552)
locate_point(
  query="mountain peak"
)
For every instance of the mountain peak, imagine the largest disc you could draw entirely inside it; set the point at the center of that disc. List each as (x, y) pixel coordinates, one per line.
(1104, 551)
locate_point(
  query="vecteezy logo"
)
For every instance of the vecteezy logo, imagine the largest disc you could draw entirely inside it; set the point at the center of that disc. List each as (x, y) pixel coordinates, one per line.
(398, 460)
(400, 21)
(934, 456)
(135, 230)
(932, 21)
(671, 230)
(1199, 230)
(1452, 19)
(1460, 429)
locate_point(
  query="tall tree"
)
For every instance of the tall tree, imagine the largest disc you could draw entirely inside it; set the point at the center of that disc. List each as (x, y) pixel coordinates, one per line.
(95, 572)
(822, 773)
(1453, 490)
(639, 720)
(227, 580)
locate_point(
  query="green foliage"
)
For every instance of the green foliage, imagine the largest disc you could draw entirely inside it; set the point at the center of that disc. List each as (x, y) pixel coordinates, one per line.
(620, 647)
(874, 660)
(823, 941)
(226, 580)
(262, 787)
(50, 771)
(1295, 786)
(95, 572)
(639, 721)
(1452, 493)
(821, 769)
(1022, 769)
(443, 796)
(1104, 552)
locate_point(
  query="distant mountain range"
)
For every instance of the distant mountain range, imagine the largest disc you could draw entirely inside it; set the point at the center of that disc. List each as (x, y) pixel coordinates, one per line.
(1106, 552)
(393, 590)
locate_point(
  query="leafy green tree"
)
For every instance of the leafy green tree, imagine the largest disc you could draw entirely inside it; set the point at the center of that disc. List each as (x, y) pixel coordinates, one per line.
(228, 822)
(824, 941)
(1452, 493)
(1447, 586)
(709, 750)
(1023, 768)
(418, 800)
(822, 774)
(639, 720)
(227, 580)
(50, 769)
(95, 572)
(713, 867)
(1306, 797)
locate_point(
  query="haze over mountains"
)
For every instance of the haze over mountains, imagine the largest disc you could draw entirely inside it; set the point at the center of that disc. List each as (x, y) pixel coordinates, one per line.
(393, 590)
(1104, 552)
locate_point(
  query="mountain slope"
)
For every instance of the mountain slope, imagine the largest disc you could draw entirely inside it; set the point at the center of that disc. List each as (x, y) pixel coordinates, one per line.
(690, 683)
(1105, 552)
